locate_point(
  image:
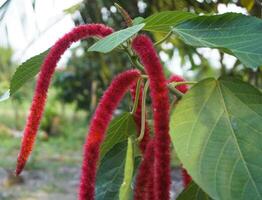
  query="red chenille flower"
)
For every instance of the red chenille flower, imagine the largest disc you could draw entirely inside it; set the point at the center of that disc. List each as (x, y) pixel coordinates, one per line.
(145, 172)
(160, 103)
(150, 187)
(98, 127)
(177, 78)
(137, 117)
(43, 82)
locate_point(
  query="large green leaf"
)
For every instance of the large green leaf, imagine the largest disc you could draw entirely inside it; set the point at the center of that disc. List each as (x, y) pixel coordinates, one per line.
(164, 21)
(110, 42)
(26, 71)
(119, 130)
(111, 173)
(217, 132)
(239, 34)
(193, 192)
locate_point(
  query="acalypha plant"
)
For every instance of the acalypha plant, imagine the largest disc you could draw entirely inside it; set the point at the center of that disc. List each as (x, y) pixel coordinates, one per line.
(214, 125)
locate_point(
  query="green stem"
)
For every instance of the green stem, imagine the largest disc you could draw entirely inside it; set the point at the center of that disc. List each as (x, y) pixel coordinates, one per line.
(143, 114)
(139, 65)
(175, 91)
(172, 87)
(175, 84)
(144, 76)
(137, 95)
(133, 59)
(164, 39)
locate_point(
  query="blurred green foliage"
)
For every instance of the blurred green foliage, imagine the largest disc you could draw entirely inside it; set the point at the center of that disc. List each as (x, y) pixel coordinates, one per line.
(6, 68)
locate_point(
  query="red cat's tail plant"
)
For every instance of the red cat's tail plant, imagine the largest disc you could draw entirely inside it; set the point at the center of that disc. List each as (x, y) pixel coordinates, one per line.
(177, 78)
(98, 126)
(145, 172)
(144, 47)
(46, 72)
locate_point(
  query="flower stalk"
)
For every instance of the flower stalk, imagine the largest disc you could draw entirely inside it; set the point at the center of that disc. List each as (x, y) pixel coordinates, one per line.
(97, 130)
(144, 48)
(138, 115)
(137, 95)
(46, 72)
(143, 114)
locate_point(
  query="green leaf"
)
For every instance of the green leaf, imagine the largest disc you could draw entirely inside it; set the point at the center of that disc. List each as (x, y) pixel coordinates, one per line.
(236, 33)
(216, 130)
(113, 40)
(119, 130)
(26, 71)
(125, 188)
(138, 20)
(193, 192)
(164, 21)
(111, 173)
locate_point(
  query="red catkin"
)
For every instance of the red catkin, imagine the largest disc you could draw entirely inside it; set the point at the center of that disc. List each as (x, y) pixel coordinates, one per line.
(98, 126)
(145, 172)
(160, 102)
(177, 78)
(43, 82)
(150, 192)
(137, 117)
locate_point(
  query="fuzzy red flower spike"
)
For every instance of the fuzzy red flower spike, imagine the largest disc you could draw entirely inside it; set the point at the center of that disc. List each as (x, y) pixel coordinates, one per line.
(43, 82)
(144, 48)
(98, 126)
(145, 172)
(177, 78)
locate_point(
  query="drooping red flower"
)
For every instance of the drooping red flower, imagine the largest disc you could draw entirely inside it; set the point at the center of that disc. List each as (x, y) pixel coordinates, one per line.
(160, 103)
(145, 172)
(177, 78)
(98, 126)
(150, 187)
(43, 82)
(137, 117)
